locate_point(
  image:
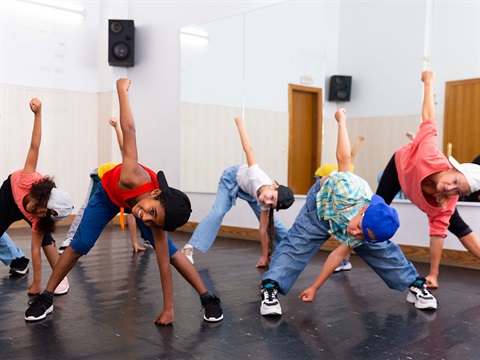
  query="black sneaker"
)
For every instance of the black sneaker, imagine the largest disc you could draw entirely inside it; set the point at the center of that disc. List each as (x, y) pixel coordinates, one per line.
(19, 266)
(420, 296)
(213, 311)
(270, 304)
(39, 308)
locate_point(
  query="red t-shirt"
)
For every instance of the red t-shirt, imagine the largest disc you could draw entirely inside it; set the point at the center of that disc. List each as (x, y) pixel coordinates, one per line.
(414, 162)
(21, 184)
(118, 196)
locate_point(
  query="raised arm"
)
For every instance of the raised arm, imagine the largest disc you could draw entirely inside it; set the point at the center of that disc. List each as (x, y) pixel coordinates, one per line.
(428, 107)
(356, 146)
(246, 145)
(32, 156)
(118, 131)
(344, 157)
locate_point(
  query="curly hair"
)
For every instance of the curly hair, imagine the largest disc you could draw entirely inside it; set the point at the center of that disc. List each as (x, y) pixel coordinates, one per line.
(40, 192)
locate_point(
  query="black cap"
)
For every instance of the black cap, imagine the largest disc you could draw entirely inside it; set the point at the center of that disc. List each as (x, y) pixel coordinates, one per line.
(177, 205)
(285, 197)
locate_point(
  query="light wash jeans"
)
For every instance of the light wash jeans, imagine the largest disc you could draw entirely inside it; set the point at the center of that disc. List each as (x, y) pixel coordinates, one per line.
(308, 234)
(227, 193)
(8, 250)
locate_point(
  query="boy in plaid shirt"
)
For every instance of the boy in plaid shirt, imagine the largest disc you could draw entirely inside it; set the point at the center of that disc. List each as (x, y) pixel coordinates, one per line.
(341, 206)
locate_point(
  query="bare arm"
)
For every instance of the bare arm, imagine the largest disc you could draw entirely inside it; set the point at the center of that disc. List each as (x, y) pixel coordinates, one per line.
(118, 131)
(343, 142)
(333, 260)
(356, 146)
(428, 107)
(132, 174)
(34, 150)
(246, 145)
(163, 260)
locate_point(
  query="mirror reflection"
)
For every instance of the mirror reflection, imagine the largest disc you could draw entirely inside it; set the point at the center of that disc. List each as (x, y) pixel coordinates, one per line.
(249, 63)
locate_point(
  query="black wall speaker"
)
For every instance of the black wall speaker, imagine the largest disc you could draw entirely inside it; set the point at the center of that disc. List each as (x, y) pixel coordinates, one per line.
(121, 42)
(340, 88)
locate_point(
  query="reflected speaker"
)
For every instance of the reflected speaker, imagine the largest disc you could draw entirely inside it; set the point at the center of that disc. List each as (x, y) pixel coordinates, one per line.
(340, 88)
(121, 43)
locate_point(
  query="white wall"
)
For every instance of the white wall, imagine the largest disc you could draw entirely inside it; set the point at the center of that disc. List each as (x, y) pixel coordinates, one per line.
(66, 65)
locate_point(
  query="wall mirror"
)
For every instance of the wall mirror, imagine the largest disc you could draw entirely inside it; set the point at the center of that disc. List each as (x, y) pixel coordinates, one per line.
(245, 65)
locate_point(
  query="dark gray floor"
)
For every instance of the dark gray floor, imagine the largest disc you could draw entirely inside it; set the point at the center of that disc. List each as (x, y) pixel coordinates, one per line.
(116, 294)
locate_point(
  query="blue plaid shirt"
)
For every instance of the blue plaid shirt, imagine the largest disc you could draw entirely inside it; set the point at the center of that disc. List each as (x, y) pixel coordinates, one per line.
(339, 200)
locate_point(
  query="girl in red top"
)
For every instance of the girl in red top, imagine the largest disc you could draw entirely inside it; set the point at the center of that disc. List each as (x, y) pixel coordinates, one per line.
(157, 207)
(433, 183)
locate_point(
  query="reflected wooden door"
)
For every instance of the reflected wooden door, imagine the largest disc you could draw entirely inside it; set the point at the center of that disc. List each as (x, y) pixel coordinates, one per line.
(461, 126)
(305, 136)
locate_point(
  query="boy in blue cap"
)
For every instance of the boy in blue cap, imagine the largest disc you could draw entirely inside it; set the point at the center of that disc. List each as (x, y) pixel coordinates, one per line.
(341, 206)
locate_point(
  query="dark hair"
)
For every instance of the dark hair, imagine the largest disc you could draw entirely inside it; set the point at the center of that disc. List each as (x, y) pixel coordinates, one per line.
(40, 192)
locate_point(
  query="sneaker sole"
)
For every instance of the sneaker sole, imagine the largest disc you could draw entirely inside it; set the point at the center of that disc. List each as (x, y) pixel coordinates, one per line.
(270, 311)
(19, 272)
(43, 316)
(212, 319)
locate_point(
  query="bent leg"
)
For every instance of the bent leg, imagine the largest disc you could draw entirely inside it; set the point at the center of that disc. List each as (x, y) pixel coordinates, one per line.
(301, 243)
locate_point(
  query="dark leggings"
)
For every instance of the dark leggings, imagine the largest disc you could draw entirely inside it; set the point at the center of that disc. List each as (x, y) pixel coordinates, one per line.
(389, 186)
(9, 212)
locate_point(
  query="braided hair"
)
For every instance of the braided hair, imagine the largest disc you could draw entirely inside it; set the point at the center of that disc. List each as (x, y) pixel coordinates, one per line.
(271, 231)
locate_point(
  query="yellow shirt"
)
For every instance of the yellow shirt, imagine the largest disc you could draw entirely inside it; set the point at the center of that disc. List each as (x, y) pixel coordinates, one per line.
(326, 169)
(102, 169)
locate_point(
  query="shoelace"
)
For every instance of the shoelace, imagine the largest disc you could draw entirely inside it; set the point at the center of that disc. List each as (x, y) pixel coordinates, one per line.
(213, 300)
(271, 293)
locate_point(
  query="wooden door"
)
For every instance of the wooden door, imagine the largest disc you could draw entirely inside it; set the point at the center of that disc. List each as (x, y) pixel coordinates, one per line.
(305, 136)
(461, 126)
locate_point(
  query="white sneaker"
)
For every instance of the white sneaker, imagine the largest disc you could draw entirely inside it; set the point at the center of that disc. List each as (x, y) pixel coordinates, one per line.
(345, 265)
(270, 304)
(62, 288)
(65, 244)
(420, 296)
(187, 250)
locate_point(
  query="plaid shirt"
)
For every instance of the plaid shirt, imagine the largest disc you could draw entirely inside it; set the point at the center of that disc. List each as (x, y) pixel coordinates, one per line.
(339, 200)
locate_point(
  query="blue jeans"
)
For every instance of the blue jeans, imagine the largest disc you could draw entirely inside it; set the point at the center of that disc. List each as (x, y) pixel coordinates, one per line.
(227, 193)
(308, 234)
(99, 211)
(8, 250)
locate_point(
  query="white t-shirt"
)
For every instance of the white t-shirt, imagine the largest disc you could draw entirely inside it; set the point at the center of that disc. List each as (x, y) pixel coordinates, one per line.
(250, 179)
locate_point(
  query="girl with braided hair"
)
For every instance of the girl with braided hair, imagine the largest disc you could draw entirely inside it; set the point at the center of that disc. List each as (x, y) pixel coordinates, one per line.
(28, 195)
(250, 183)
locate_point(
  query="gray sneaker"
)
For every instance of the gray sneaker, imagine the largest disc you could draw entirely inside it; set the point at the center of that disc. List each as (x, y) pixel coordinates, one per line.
(419, 295)
(270, 304)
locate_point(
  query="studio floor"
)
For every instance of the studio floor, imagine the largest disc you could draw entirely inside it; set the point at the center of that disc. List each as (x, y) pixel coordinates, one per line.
(115, 295)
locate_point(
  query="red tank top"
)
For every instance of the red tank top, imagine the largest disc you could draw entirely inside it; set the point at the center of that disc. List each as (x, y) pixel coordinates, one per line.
(118, 196)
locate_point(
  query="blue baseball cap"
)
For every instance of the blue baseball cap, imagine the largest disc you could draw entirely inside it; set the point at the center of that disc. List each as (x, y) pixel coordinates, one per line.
(380, 219)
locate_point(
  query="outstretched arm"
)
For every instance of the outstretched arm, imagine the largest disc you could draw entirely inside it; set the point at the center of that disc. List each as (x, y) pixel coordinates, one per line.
(247, 146)
(118, 131)
(34, 150)
(343, 142)
(356, 146)
(428, 107)
(333, 260)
